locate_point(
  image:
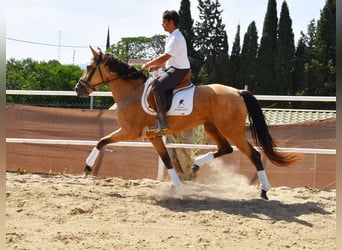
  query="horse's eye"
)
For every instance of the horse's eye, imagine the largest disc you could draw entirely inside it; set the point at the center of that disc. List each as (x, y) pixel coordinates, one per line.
(89, 67)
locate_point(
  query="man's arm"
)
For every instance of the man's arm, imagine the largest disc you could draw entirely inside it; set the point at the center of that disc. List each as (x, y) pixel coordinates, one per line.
(156, 63)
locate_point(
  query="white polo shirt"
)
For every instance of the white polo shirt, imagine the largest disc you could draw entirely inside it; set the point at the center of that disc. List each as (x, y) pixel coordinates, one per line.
(175, 46)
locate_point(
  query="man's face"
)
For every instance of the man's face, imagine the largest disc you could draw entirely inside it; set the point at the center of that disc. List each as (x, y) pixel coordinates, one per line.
(167, 24)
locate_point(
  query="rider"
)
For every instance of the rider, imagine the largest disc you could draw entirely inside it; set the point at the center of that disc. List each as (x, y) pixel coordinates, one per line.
(176, 63)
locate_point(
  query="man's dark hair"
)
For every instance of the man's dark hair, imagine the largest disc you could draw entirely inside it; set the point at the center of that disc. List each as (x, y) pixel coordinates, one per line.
(171, 15)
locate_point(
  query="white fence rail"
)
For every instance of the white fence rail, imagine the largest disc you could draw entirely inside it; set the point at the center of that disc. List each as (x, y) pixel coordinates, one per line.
(53, 92)
(106, 93)
(147, 144)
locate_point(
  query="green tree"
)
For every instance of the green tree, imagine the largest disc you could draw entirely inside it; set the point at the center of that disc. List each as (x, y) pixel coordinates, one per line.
(28, 74)
(18, 74)
(318, 75)
(234, 61)
(248, 59)
(326, 33)
(305, 52)
(203, 77)
(310, 38)
(320, 66)
(211, 38)
(326, 46)
(186, 26)
(139, 47)
(298, 74)
(267, 51)
(285, 60)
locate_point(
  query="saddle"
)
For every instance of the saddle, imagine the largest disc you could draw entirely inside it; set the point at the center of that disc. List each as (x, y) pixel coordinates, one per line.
(184, 83)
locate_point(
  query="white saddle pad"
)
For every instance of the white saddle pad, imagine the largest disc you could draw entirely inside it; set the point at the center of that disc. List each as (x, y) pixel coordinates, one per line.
(182, 101)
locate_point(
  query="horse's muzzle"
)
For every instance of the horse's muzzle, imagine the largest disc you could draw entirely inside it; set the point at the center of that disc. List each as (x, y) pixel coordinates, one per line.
(81, 90)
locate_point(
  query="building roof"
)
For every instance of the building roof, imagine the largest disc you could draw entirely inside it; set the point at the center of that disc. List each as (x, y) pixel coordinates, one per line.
(288, 116)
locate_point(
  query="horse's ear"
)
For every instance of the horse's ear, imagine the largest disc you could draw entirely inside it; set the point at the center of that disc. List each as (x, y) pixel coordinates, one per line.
(93, 51)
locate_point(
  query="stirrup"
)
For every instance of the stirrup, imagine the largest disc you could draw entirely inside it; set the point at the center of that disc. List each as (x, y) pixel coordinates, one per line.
(157, 128)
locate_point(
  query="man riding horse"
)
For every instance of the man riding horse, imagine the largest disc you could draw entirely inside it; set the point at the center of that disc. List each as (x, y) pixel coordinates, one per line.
(176, 63)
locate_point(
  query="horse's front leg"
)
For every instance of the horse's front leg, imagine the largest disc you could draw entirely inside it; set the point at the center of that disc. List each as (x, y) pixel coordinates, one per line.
(159, 145)
(116, 136)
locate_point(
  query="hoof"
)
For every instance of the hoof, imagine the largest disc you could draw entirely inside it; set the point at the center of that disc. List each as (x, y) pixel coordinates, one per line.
(195, 168)
(86, 171)
(263, 195)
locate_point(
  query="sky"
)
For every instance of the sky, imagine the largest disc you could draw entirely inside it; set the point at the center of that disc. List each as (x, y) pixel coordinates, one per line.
(68, 27)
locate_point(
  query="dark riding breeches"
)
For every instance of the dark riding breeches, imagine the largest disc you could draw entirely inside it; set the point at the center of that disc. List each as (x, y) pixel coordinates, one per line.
(169, 79)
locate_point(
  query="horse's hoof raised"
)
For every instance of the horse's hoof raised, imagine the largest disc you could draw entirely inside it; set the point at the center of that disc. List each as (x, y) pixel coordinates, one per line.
(263, 194)
(195, 168)
(86, 171)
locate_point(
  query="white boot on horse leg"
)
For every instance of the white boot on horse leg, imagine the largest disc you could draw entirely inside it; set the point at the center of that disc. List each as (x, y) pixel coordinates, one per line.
(264, 183)
(176, 182)
(91, 161)
(201, 160)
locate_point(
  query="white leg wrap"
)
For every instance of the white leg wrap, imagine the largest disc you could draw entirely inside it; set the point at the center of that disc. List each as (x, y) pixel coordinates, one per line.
(174, 177)
(200, 160)
(264, 184)
(92, 157)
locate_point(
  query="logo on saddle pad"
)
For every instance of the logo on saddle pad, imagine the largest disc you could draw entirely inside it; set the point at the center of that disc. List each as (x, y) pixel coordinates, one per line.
(180, 100)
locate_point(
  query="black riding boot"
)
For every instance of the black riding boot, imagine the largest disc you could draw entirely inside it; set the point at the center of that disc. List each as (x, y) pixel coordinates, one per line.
(161, 103)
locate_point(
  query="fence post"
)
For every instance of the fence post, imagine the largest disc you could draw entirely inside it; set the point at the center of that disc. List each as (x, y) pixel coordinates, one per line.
(91, 102)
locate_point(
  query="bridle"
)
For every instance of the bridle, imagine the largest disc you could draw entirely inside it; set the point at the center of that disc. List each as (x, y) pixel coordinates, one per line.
(86, 83)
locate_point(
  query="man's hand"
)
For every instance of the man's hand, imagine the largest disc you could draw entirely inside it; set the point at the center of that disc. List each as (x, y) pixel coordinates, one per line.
(144, 67)
(151, 68)
(157, 63)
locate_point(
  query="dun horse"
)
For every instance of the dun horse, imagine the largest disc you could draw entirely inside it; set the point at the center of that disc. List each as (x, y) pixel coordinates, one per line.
(221, 109)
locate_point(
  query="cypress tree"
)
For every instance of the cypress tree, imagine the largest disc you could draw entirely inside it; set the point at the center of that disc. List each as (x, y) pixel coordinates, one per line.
(234, 61)
(108, 41)
(298, 75)
(221, 73)
(248, 59)
(266, 55)
(186, 27)
(285, 54)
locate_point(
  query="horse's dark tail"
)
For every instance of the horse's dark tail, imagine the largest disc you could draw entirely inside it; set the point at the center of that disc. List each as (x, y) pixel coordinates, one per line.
(261, 134)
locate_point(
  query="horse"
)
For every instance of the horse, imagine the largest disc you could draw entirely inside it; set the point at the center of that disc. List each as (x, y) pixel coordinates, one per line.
(221, 109)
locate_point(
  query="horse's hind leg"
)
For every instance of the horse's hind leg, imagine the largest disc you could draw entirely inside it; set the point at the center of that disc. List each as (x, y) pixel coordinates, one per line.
(223, 146)
(246, 148)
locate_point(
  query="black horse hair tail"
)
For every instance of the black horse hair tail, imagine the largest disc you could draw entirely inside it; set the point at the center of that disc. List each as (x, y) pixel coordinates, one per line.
(260, 132)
